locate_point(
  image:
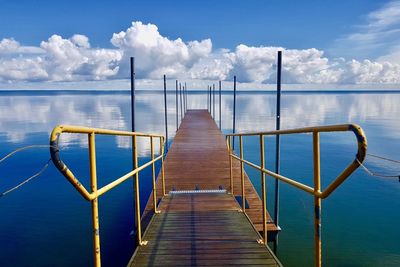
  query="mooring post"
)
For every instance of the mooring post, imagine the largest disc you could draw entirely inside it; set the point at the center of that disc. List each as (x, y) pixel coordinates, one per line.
(214, 101)
(208, 98)
(134, 152)
(234, 111)
(165, 113)
(277, 148)
(176, 104)
(185, 98)
(180, 97)
(208, 104)
(133, 93)
(210, 101)
(220, 122)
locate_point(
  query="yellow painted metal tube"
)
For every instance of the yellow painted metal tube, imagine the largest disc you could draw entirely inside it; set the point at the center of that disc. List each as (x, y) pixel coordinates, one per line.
(162, 145)
(113, 184)
(89, 196)
(263, 189)
(228, 143)
(242, 174)
(328, 128)
(317, 200)
(80, 129)
(301, 186)
(361, 153)
(316, 191)
(54, 152)
(153, 174)
(137, 193)
(94, 202)
(96, 193)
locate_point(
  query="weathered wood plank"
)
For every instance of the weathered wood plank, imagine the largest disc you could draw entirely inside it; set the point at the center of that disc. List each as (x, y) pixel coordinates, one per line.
(198, 158)
(202, 229)
(202, 238)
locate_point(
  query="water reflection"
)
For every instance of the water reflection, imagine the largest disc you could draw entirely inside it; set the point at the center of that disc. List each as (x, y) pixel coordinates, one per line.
(21, 115)
(27, 118)
(26, 114)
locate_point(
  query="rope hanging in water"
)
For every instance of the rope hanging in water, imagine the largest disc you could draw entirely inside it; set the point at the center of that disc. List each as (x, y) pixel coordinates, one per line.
(379, 174)
(31, 177)
(380, 157)
(26, 180)
(23, 148)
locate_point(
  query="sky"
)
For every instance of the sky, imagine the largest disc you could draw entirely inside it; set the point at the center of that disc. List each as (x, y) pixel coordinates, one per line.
(323, 42)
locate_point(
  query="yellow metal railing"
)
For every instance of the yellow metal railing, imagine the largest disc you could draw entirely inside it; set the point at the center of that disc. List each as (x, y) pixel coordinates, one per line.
(95, 192)
(316, 190)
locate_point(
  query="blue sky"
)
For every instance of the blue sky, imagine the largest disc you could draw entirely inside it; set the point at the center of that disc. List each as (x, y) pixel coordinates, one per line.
(339, 31)
(291, 24)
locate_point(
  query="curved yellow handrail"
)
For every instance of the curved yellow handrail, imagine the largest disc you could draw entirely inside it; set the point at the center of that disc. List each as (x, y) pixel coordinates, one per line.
(360, 156)
(95, 193)
(316, 190)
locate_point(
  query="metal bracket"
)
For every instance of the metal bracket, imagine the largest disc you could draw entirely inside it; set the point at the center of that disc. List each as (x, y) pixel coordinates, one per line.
(143, 243)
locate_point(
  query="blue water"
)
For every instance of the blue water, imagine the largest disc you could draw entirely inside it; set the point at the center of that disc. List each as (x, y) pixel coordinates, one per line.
(47, 223)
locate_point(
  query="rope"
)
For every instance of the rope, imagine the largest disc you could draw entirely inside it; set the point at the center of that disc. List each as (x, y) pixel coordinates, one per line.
(26, 180)
(23, 148)
(379, 157)
(31, 177)
(377, 174)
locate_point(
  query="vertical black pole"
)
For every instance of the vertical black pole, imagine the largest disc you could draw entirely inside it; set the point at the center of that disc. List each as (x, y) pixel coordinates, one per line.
(165, 113)
(184, 103)
(176, 103)
(132, 63)
(185, 99)
(277, 149)
(208, 106)
(185, 96)
(220, 123)
(133, 92)
(180, 97)
(234, 110)
(213, 95)
(210, 100)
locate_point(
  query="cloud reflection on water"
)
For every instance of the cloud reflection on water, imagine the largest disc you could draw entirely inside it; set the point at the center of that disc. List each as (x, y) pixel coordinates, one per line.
(24, 115)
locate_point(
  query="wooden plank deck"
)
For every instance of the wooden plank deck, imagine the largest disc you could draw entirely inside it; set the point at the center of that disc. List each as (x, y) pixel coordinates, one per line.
(197, 228)
(201, 229)
(198, 158)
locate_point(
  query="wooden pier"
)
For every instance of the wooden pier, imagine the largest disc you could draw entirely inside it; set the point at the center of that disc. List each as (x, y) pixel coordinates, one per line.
(200, 224)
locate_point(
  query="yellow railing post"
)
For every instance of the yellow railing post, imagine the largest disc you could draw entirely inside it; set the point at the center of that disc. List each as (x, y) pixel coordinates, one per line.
(96, 193)
(317, 199)
(229, 141)
(94, 202)
(242, 173)
(263, 189)
(153, 174)
(162, 142)
(137, 194)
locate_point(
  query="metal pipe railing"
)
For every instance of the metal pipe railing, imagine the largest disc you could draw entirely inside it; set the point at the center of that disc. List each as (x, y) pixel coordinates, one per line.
(316, 190)
(242, 174)
(95, 193)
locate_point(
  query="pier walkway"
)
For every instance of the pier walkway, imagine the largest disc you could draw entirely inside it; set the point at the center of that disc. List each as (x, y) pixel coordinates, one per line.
(199, 223)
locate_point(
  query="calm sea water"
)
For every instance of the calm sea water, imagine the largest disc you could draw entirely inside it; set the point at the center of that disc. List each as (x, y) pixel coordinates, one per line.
(47, 223)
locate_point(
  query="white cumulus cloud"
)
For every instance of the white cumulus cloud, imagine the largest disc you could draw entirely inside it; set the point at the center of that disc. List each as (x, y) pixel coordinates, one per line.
(156, 54)
(74, 59)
